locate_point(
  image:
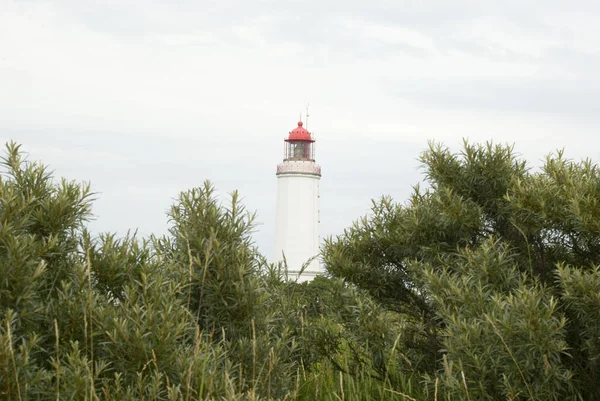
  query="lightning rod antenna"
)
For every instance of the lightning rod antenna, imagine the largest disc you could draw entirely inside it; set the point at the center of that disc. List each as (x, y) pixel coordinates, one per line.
(307, 104)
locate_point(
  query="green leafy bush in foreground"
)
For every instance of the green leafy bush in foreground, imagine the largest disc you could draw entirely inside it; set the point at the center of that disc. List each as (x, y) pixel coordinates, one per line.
(197, 314)
(483, 287)
(495, 267)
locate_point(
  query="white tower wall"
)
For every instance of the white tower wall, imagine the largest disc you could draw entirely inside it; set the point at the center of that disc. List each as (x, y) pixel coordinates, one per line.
(297, 218)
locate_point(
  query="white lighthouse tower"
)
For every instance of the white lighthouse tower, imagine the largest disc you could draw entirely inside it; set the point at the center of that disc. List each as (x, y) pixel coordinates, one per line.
(297, 213)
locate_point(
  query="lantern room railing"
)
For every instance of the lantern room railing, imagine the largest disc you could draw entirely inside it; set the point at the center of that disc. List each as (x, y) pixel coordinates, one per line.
(303, 167)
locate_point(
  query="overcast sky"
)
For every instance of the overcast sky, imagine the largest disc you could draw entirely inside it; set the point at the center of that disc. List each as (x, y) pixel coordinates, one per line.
(149, 98)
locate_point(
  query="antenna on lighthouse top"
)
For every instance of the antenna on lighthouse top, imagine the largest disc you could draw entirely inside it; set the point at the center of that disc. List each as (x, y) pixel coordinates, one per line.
(306, 123)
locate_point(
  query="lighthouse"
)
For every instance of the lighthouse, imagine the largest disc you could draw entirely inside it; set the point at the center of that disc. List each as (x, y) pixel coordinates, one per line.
(297, 211)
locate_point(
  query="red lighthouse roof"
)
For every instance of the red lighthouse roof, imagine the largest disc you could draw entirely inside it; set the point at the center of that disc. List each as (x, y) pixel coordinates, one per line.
(300, 134)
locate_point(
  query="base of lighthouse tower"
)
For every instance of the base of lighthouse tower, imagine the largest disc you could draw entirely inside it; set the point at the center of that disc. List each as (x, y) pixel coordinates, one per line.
(297, 210)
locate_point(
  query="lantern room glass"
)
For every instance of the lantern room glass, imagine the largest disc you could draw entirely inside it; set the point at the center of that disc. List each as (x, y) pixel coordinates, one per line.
(299, 150)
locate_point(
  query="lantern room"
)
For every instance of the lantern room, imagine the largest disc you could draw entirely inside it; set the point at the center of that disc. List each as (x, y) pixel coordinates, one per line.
(299, 145)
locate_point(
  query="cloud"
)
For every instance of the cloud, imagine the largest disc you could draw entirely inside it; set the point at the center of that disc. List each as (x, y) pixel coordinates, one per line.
(146, 99)
(544, 96)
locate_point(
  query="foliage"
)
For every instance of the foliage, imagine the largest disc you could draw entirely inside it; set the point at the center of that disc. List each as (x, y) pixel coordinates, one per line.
(483, 286)
(480, 264)
(214, 243)
(194, 315)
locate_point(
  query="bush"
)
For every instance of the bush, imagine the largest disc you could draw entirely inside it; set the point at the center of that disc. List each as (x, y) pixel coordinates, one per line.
(493, 268)
(197, 314)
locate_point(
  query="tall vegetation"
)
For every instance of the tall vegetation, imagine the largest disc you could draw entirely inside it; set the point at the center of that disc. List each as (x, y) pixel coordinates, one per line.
(197, 314)
(484, 286)
(495, 269)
